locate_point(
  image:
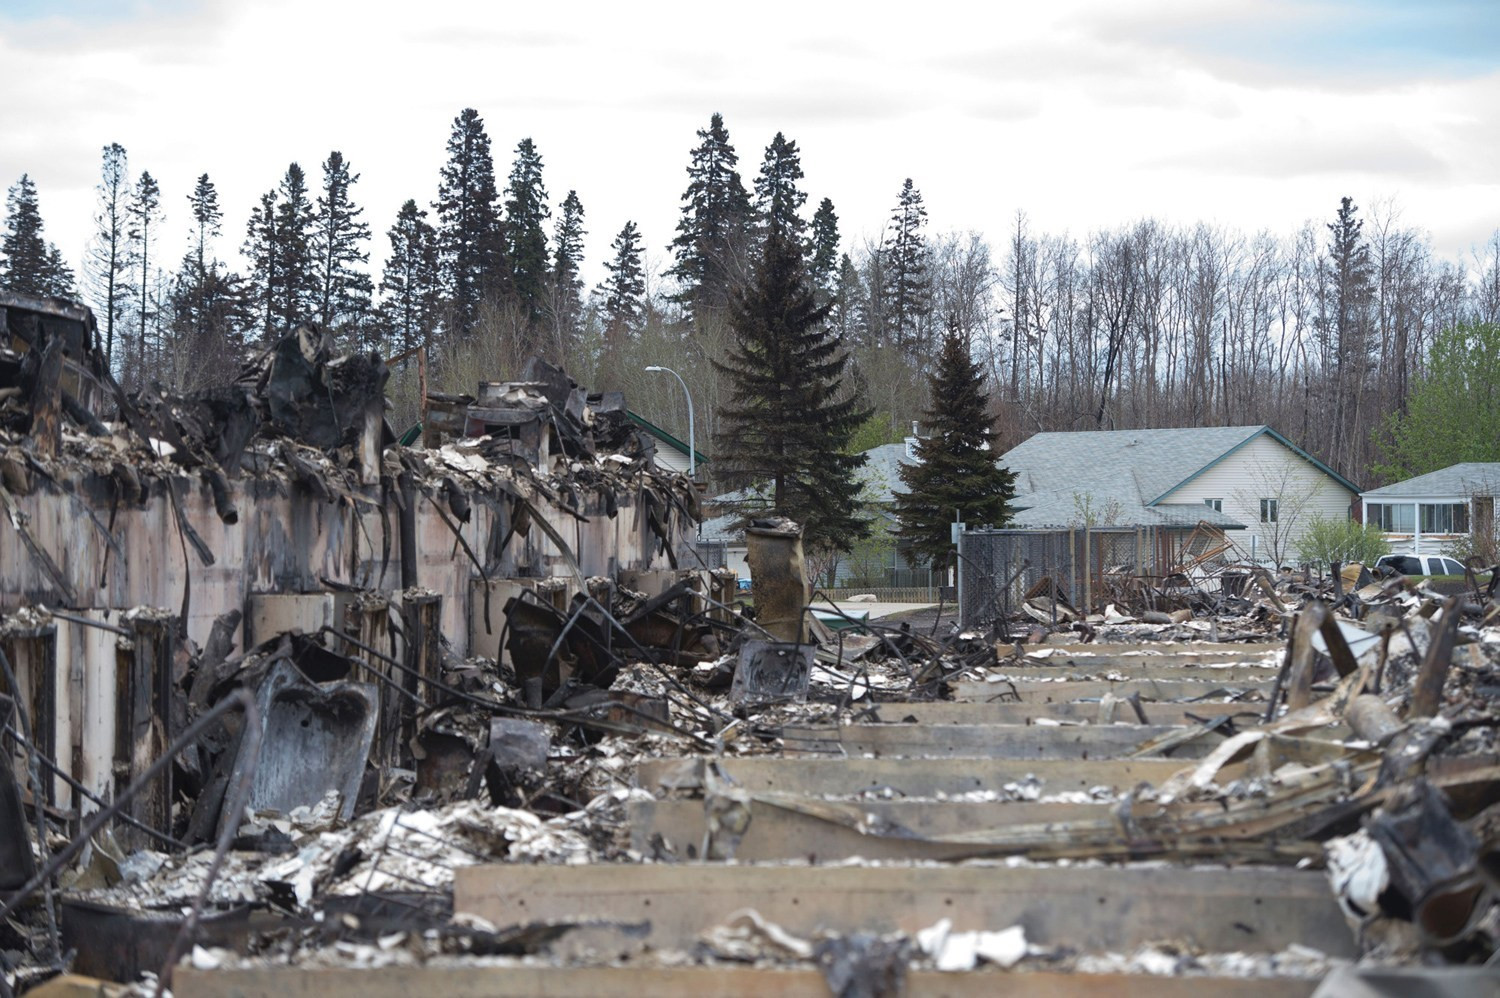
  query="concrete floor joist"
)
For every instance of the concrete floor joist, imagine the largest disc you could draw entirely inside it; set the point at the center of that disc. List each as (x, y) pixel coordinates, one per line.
(986, 741)
(1141, 668)
(1063, 691)
(1207, 651)
(807, 830)
(1113, 655)
(515, 980)
(1095, 909)
(905, 777)
(954, 712)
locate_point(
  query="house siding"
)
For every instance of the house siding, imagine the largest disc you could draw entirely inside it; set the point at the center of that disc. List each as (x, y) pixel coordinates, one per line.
(671, 459)
(1265, 468)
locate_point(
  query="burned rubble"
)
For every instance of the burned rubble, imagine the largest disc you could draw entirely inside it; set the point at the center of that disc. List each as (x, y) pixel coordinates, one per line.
(289, 692)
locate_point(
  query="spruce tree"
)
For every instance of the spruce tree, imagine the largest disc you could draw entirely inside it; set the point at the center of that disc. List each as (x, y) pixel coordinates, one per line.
(470, 239)
(263, 250)
(209, 308)
(956, 471)
(29, 265)
(908, 280)
(566, 282)
(298, 295)
(790, 415)
(712, 236)
(849, 303)
(526, 213)
(825, 248)
(206, 301)
(145, 217)
(410, 287)
(623, 289)
(104, 266)
(339, 236)
(778, 198)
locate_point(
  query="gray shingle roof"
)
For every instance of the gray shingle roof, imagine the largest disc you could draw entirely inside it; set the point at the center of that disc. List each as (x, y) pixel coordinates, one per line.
(1471, 478)
(882, 472)
(1142, 465)
(1119, 473)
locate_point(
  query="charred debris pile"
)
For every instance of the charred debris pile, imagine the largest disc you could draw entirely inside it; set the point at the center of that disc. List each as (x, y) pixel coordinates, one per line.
(363, 703)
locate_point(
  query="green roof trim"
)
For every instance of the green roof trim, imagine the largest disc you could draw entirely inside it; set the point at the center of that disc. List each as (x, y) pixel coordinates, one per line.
(1257, 434)
(664, 436)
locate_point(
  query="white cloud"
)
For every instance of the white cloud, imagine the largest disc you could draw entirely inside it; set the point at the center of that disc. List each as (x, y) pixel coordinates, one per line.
(1080, 115)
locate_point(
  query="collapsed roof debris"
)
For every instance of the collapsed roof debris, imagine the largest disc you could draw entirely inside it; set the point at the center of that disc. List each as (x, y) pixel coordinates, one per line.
(442, 709)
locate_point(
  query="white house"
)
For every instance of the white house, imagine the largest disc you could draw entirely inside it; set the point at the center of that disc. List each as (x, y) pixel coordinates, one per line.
(1256, 484)
(1426, 514)
(671, 453)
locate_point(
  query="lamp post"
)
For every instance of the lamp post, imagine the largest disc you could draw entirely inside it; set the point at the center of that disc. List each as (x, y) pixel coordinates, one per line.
(692, 451)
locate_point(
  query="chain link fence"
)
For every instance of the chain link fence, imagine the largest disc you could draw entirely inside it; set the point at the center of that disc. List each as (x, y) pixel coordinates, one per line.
(998, 570)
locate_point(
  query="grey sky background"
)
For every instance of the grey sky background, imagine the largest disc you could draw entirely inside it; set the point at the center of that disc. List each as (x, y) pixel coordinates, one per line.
(1251, 114)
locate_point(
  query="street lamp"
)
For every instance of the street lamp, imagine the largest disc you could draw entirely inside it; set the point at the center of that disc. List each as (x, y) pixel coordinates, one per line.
(692, 451)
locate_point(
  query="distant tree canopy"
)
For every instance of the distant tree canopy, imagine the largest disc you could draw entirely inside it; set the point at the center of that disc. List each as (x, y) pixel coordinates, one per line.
(1323, 332)
(1451, 415)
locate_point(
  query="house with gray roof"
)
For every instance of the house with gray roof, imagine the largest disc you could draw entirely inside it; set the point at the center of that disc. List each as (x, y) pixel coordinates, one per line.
(1249, 481)
(1438, 510)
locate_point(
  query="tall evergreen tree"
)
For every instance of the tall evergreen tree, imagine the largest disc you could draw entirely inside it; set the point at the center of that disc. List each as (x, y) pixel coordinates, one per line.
(278, 243)
(1349, 273)
(956, 471)
(623, 289)
(410, 287)
(470, 239)
(29, 264)
(294, 228)
(339, 235)
(145, 216)
(567, 264)
(908, 278)
(849, 305)
(790, 417)
(778, 198)
(209, 308)
(824, 264)
(712, 236)
(526, 213)
(263, 250)
(104, 266)
(208, 218)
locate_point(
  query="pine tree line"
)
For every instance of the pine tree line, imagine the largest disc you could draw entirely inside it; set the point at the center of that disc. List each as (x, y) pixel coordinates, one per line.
(1319, 333)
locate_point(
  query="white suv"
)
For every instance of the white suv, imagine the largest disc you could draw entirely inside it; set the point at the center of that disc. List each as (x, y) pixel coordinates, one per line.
(1420, 564)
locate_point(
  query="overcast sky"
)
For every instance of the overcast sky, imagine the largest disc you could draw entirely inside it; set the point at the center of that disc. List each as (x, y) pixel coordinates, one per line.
(1083, 113)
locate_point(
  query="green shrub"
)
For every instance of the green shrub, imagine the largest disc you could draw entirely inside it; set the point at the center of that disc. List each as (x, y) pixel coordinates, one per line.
(1328, 539)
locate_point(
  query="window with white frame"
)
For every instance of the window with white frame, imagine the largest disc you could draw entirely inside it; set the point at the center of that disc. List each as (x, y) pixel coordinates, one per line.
(1217, 505)
(1445, 518)
(1268, 510)
(1393, 517)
